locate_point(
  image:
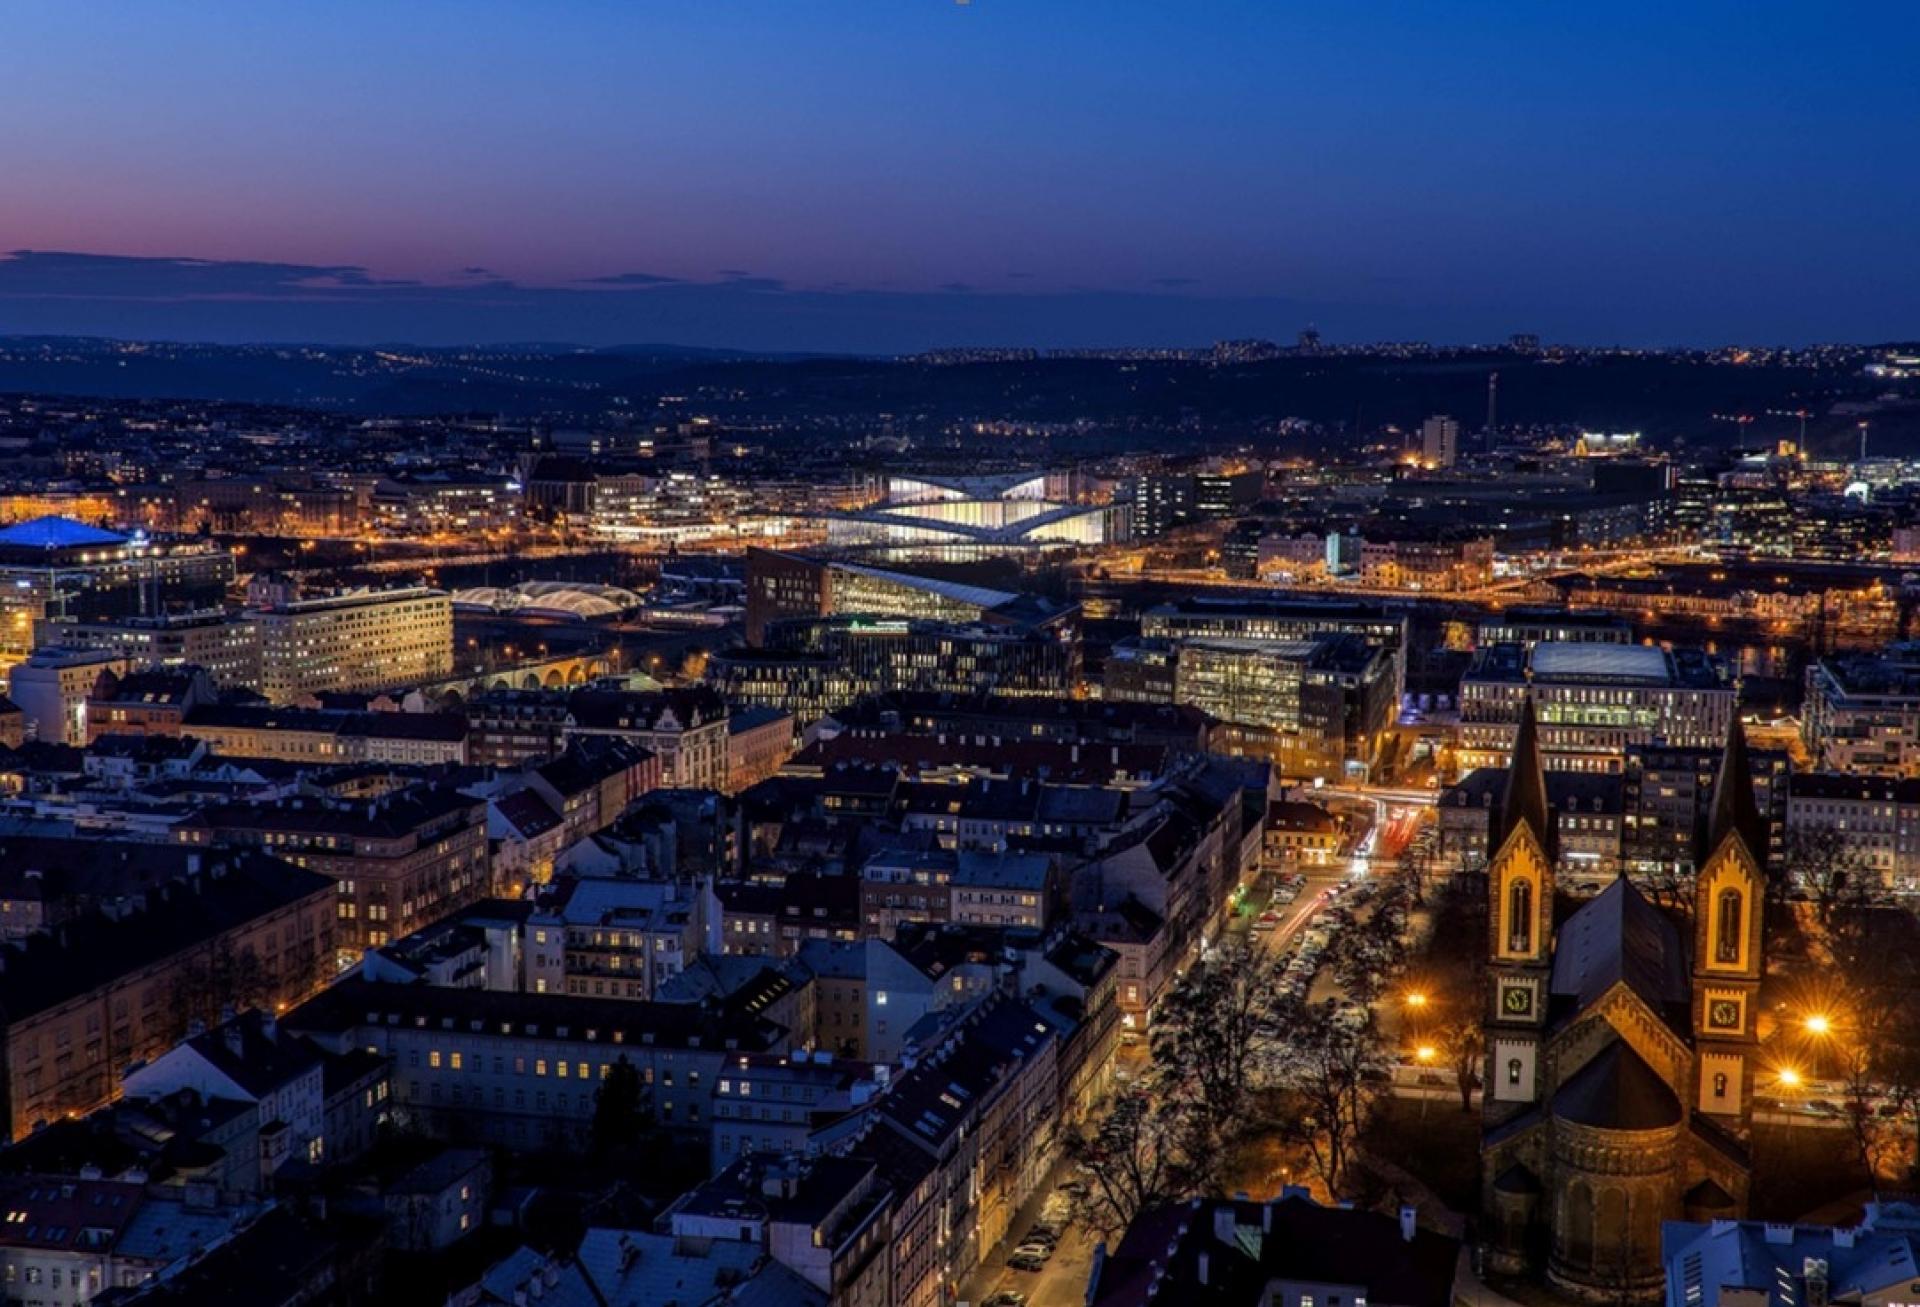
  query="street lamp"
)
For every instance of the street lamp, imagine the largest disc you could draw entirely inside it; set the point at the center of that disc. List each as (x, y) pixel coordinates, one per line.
(1819, 1024)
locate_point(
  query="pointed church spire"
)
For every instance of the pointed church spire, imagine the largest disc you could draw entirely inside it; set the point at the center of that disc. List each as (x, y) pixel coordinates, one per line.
(1734, 812)
(1526, 796)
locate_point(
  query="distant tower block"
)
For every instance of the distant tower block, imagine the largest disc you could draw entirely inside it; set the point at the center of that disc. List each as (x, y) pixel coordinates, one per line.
(1493, 403)
(1310, 340)
(1440, 441)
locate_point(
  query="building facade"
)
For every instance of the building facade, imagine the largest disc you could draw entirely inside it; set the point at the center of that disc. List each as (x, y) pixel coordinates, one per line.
(358, 641)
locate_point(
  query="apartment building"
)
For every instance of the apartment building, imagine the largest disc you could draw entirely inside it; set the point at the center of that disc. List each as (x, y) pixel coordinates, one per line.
(112, 987)
(357, 641)
(524, 1069)
(398, 861)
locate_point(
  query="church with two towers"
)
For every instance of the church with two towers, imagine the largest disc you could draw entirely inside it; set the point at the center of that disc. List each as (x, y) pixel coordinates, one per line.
(1618, 1085)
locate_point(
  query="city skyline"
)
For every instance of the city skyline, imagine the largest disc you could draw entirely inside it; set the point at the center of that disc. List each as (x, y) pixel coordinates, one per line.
(769, 178)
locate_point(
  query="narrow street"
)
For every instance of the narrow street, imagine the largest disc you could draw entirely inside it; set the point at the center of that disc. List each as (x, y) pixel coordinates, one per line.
(1062, 1282)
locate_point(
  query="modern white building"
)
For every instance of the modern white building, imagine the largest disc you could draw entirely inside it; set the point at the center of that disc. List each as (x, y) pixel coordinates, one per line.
(994, 512)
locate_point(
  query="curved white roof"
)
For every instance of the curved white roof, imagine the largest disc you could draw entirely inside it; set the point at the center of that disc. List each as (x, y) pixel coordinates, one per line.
(559, 598)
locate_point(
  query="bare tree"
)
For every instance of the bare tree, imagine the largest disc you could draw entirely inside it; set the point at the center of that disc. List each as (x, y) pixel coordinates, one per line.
(221, 982)
(1211, 1031)
(1338, 1068)
(1844, 891)
(1670, 885)
(1138, 1158)
(1463, 1042)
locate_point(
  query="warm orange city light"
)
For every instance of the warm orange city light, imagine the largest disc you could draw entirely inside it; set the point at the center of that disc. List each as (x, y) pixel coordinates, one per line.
(1424, 1053)
(1789, 1077)
(1818, 1024)
(1416, 999)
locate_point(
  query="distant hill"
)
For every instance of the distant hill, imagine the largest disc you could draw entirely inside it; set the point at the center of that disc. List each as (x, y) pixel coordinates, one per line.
(1670, 397)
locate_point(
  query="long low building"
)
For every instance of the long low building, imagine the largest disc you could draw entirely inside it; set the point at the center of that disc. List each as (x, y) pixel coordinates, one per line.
(524, 1069)
(324, 735)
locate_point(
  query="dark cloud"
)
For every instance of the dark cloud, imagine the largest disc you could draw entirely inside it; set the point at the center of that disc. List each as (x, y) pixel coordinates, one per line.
(732, 274)
(745, 282)
(357, 277)
(956, 287)
(476, 271)
(64, 273)
(63, 293)
(633, 279)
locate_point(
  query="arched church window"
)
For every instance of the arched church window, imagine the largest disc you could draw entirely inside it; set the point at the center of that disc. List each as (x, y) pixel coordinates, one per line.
(1520, 917)
(1726, 944)
(1513, 1071)
(1720, 1085)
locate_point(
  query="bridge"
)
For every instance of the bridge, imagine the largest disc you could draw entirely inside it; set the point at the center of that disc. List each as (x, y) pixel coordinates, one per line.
(551, 673)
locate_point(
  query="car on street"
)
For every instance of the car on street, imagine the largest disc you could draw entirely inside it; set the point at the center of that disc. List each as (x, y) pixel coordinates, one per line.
(1006, 1298)
(1026, 1263)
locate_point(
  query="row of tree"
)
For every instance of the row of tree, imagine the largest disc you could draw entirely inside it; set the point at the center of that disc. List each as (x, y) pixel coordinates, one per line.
(1239, 1054)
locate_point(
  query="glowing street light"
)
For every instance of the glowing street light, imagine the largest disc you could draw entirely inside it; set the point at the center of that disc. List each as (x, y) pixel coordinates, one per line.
(1789, 1077)
(1819, 1024)
(1424, 1053)
(1416, 999)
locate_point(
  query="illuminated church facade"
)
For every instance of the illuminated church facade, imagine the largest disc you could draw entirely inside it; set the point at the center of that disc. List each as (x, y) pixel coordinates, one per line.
(1619, 1054)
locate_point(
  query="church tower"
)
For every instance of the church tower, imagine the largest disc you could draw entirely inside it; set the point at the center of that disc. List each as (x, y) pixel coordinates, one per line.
(1519, 941)
(1729, 901)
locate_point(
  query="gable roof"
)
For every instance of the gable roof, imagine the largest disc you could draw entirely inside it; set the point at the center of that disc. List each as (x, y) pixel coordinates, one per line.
(1617, 1090)
(1619, 938)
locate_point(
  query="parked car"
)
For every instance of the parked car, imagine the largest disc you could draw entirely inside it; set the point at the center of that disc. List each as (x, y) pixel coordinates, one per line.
(1019, 1262)
(1006, 1298)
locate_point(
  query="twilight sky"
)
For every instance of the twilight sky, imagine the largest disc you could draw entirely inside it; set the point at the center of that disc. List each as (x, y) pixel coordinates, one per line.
(895, 174)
